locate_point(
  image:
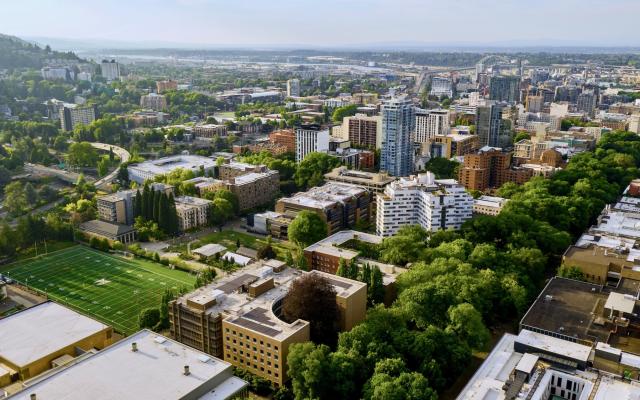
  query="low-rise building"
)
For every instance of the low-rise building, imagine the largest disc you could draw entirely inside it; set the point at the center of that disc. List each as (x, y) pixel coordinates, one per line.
(163, 86)
(109, 230)
(45, 336)
(340, 206)
(373, 181)
(192, 212)
(284, 137)
(255, 188)
(209, 130)
(140, 172)
(145, 365)
(153, 101)
(238, 317)
(489, 205)
(434, 204)
(452, 145)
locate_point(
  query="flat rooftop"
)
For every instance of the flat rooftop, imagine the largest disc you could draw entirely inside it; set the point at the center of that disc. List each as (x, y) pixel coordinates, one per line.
(325, 196)
(189, 200)
(330, 245)
(41, 330)
(571, 308)
(234, 303)
(168, 164)
(155, 371)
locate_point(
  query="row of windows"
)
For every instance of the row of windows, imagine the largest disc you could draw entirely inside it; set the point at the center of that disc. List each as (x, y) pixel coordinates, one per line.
(255, 366)
(242, 335)
(248, 346)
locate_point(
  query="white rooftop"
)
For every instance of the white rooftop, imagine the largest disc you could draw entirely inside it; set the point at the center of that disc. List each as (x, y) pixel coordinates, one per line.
(41, 330)
(210, 249)
(155, 371)
(167, 164)
(554, 345)
(237, 258)
(620, 302)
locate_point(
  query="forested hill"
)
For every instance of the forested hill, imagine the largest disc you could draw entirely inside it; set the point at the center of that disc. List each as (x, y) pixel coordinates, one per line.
(17, 53)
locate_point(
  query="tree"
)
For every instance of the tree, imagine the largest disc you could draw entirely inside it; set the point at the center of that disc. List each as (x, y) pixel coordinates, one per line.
(312, 298)
(392, 380)
(345, 111)
(220, 212)
(82, 154)
(15, 200)
(375, 292)
(149, 318)
(307, 228)
(311, 170)
(466, 322)
(571, 272)
(103, 167)
(521, 136)
(443, 168)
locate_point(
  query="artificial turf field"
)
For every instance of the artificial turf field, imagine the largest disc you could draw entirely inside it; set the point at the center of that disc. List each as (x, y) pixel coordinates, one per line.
(112, 289)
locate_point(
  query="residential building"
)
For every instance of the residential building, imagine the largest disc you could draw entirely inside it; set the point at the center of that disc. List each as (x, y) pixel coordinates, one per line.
(232, 169)
(340, 206)
(153, 101)
(634, 124)
(504, 88)
(490, 168)
(434, 204)
(311, 138)
(534, 103)
(489, 124)
(293, 88)
(284, 137)
(372, 181)
(441, 86)
(57, 73)
(110, 70)
(145, 365)
(488, 205)
(365, 98)
(398, 123)
(452, 145)
(109, 230)
(430, 123)
(254, 189)
(192, 212)
(72, 115)
(586, 102)
(204, 184)
(145, 170)
(363, 131)
(44, 336)
(118, 207)
(163, 86)
(239, 317)
(209, 130)
(326, 254)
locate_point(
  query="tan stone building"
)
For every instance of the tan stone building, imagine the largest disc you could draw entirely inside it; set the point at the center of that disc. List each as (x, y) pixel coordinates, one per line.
(284, 137)
(44, 336)
(373, 181)
(192, 212)
(238, 317)
(340, 206)
(490, 168)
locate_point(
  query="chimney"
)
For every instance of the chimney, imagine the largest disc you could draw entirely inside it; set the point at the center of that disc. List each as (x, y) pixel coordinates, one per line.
(32, 396)
(134, 347)
(186, 370)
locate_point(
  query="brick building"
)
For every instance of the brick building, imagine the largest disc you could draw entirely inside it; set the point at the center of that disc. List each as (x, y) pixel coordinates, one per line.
(491, 168)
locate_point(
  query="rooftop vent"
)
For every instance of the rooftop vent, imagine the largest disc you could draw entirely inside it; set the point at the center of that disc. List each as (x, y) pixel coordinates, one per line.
(186, 370)
(32, 396)
(548, 297)
(134, 347)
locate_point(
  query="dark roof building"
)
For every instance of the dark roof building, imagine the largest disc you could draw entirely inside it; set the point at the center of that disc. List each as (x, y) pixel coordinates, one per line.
(108, 230)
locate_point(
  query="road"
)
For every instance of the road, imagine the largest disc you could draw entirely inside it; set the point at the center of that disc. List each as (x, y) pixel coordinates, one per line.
(39, 210)
(120, 152)
(67, 176)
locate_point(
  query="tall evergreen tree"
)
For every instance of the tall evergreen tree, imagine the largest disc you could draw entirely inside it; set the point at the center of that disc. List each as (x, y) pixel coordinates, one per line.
(342, 268)
(144, 206)
(137, 204)
(377, 286)
(173, 216)
(156, 205)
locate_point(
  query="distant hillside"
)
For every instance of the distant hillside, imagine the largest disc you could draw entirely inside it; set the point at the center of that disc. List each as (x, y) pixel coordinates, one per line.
(17, 53)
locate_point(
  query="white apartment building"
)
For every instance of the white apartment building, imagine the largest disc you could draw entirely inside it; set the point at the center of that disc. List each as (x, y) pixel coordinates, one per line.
(192, 212)
(430, 123)
(153, 101)
(110, 70)
(140, 172)
(434, 204)
(441, 86)
(72, 115)
(310, 138)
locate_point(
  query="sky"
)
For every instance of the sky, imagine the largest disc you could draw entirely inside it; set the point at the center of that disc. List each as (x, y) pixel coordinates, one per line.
(328, 23)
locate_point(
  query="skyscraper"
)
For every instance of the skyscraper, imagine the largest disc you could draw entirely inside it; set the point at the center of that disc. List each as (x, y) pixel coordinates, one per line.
(489, 124)
(504, 88)
(110, 70)
(293, 88)
(398, 122)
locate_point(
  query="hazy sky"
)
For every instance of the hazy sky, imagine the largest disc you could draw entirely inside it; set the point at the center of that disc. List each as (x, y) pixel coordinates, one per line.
(328, 22)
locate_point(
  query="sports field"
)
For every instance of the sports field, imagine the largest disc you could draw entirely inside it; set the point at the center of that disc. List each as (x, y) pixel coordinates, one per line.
(112, 289)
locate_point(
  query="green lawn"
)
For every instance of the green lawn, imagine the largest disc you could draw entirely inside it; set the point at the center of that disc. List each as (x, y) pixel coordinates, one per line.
(112, 289)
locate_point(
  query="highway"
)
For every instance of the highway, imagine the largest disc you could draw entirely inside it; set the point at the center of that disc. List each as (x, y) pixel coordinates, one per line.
(120, 152)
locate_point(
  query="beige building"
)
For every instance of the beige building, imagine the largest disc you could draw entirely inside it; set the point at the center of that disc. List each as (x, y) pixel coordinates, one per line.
(209, 130)
(153, 101)
(488, 205)
(361, 130)
(452, 145)
(373, 181)
(238, 317)
(192, 212)
(45, 336)
(255, 188)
